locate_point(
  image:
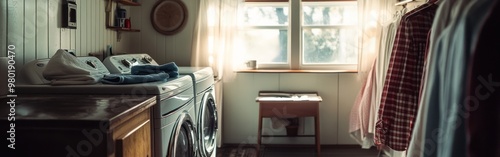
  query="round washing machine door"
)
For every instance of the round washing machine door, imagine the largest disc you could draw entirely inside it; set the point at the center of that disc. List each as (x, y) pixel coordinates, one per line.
(183, 139)
(207, 125)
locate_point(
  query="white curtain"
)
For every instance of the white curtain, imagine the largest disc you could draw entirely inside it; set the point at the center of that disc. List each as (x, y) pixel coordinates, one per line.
(215, 34)
(372, 15)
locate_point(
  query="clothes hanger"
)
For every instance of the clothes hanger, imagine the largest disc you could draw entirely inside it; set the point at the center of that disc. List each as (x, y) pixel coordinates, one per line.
(427, 5)
(400, 12)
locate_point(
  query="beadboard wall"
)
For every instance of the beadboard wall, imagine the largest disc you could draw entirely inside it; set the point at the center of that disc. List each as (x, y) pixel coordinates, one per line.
(161, 47)
(240, 111)
(34, 28)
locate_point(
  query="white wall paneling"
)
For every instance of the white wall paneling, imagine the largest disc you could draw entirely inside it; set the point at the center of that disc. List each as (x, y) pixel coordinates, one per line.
(3, 28)
(174, 48)
(83, 26)
(73, 38)
(136, 22)
(65, 38)
(15, 27)
(100, 27)
(78, 31)
(170, 51)
(184, 40)
(91, 14)
(241, 110)
(148, 34)
(328, 87)
(42, 35)
(160, 47)
(349, 86)
(34, 27)
(29, 30)
(54, 27)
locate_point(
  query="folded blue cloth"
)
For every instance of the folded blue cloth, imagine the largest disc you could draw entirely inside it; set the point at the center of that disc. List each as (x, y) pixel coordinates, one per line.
(170, 68)
(131, 79)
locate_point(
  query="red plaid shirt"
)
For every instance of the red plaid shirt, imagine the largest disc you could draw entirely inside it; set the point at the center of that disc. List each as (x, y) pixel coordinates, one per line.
(399, 103)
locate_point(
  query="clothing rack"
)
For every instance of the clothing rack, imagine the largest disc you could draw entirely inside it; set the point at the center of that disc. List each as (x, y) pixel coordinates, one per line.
(404, 2)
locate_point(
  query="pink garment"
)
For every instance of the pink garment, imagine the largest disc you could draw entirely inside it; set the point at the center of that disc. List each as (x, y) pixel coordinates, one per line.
(360, 112)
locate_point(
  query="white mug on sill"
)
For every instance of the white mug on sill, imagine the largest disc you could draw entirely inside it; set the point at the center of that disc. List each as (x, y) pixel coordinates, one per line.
(251, 64)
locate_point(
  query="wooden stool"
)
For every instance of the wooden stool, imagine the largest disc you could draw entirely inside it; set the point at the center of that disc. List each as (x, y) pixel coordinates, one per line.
(289, 105)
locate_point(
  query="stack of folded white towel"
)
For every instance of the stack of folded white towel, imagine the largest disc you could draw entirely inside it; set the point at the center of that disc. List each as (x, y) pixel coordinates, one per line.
(65, 69)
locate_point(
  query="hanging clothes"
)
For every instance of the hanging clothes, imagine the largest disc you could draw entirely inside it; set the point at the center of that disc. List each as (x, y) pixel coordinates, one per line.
(399, 101)
(444, 91)
(363, 114)
(484, 98)
(447, 12)
(383, 58)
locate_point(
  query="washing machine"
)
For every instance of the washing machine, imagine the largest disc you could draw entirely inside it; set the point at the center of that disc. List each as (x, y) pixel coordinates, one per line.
(206, 117)
(177, 124)
(205, 107)
(174, 129)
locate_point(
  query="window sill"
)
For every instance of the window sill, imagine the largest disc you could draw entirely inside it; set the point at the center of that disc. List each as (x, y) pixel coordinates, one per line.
(293, 71)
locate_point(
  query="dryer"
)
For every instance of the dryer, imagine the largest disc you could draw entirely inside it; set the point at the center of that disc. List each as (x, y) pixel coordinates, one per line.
(174, 125)
(206, 108)
(174, 132)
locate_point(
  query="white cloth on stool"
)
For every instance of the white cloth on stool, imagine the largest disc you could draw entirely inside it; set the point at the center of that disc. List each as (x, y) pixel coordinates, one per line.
(65, 69)
(279, 122)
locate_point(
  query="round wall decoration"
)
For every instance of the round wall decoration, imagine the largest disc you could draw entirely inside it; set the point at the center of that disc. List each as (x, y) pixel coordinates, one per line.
(169, 16)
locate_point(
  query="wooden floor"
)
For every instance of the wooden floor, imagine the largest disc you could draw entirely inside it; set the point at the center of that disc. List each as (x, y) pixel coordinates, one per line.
(275, 151)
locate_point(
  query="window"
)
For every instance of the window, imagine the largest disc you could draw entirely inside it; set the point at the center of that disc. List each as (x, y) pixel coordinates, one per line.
(301, 35)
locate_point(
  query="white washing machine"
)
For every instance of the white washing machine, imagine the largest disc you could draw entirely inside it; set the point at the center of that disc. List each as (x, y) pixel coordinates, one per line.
(206, 117)
(174, 132)
(206, 108)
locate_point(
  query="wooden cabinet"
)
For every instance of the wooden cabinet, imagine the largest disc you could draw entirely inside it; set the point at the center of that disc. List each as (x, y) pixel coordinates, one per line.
(81, 125)
(133, 139)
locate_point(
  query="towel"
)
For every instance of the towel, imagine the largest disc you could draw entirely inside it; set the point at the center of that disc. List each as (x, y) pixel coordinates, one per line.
(65, 69)
(170, 68)
(132, 79)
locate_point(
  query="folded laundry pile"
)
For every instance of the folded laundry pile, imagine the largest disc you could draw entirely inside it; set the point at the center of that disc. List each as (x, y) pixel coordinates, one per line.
(170, 68)
(132, 79)
(65, 69)
(143, 74)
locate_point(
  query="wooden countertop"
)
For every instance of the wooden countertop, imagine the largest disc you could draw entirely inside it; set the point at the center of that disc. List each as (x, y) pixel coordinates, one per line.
(60, 125)
(111, 108)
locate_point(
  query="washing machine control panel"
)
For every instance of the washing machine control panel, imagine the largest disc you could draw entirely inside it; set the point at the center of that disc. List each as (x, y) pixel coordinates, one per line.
(94, 63)
(121, 64)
